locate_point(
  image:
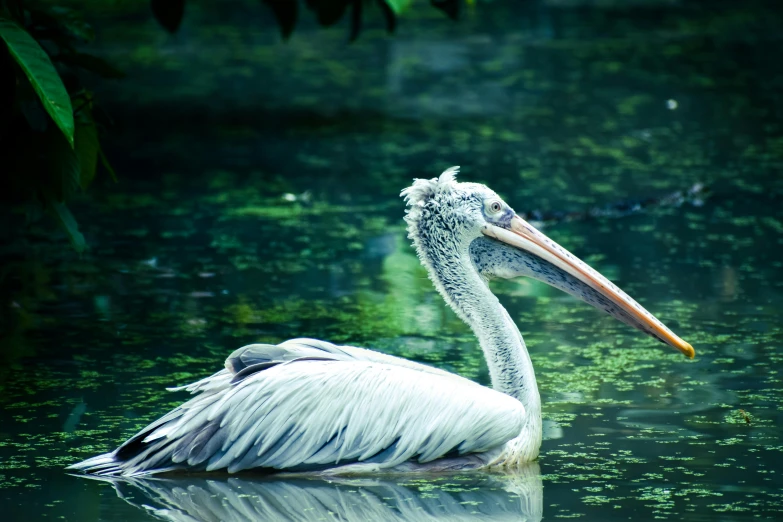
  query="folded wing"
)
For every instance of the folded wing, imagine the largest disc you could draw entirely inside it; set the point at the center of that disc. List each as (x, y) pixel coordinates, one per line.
(309, 405)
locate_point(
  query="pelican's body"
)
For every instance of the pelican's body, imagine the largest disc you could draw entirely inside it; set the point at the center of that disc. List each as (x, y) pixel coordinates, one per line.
(307, 405)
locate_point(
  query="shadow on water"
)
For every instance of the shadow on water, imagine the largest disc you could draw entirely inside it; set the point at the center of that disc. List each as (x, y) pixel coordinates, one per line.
(516, 497)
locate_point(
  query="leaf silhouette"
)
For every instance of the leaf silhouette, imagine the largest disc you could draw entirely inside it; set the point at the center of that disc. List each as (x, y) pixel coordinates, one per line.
(286, 12)
(168, 13)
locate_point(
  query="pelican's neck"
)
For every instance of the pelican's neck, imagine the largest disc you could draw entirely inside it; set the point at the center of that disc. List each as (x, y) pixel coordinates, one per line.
(510, 368)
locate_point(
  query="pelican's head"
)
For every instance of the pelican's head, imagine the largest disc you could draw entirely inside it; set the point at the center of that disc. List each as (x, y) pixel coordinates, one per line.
(445, 216)
(457, 212)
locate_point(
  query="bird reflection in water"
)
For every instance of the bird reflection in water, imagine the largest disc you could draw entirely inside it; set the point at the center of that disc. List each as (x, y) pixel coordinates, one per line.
(517, 496)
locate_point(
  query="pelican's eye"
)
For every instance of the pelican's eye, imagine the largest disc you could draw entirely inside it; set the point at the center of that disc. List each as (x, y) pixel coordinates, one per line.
(493, 207)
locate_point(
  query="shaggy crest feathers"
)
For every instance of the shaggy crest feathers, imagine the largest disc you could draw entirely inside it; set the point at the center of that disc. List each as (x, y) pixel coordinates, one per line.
(423, 190)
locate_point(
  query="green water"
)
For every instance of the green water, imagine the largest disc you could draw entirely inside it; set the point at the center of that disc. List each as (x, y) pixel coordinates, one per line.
(208, 243)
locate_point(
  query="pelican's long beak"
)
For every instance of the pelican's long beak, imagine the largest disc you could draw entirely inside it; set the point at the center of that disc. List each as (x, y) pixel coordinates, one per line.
(521, 234)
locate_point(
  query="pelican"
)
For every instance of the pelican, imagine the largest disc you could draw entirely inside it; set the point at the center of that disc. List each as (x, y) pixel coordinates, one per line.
(311, 406)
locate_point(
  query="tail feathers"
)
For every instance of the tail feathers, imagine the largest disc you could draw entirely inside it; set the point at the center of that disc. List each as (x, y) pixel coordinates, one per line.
(170, 442)
(105, 464)
(143, 463)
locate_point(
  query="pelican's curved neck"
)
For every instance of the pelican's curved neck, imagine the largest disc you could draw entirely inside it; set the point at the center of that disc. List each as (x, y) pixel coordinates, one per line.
(454, 274)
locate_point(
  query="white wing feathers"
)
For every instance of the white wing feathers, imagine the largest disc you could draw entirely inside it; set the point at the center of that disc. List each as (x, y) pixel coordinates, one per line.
(307, 404)
(317, 413)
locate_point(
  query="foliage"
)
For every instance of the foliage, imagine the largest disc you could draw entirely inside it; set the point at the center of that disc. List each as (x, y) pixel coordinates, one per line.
(49, 126)
(48, 134)
(169, 13)
(43, 77)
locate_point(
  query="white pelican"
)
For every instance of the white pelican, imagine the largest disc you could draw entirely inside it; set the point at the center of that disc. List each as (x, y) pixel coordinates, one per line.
(311, 406)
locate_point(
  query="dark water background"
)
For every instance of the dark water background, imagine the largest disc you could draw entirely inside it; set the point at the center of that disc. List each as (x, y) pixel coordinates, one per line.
(258, 201)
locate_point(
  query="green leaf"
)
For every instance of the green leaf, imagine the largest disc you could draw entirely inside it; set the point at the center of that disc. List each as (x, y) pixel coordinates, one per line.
(42, 75)
(7, 89)
(398, 6)
(388, 15)
(285, 13)
(107, 165)
(168, 13)
(59, 179)
(29, 104)
(450, 7)
(61, 168)
(87, 146)
(328, 12)
(68, 222)
(91, 63)
(356, 20)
